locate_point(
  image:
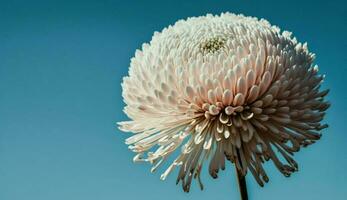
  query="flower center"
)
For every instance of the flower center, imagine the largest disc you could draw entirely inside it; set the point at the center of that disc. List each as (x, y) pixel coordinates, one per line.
(212, 45)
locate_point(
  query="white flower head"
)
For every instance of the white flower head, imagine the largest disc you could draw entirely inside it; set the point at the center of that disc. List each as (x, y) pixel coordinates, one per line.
(220, 88)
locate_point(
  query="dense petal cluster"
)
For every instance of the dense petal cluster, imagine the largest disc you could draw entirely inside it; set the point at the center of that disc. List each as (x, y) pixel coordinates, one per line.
(219, 88)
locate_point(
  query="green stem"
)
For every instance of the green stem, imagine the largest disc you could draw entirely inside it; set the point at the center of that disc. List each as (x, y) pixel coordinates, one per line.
(241, 182)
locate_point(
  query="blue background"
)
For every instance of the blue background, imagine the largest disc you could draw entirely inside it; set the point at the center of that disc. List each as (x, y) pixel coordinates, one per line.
(61, 64)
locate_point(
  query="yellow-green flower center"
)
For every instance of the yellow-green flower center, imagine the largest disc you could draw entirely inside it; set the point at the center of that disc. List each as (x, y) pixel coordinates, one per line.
(212, 45)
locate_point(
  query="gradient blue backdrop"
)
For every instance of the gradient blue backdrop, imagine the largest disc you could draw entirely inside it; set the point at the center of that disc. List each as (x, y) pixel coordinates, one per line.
(61, 64)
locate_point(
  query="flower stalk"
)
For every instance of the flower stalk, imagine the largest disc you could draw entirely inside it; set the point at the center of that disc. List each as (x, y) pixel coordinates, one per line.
(241, 180)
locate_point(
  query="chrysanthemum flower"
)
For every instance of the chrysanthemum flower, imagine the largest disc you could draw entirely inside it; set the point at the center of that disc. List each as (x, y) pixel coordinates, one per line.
(220, 88)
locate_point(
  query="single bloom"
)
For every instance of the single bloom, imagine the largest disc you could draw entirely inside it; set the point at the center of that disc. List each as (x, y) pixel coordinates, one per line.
(222, 88)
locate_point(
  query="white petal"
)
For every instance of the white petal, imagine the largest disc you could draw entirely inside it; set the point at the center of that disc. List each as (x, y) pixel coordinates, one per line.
(239, 99)
(242, 86)
(227, 97)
